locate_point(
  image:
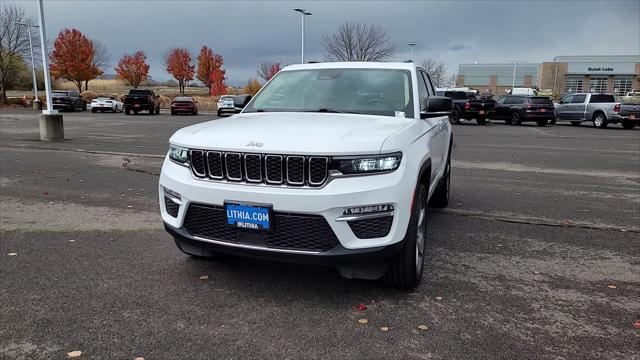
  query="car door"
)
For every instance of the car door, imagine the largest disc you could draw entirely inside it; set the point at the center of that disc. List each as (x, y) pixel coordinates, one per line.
(562, 107)
(500, 108)
(577, 107)
(440, 138)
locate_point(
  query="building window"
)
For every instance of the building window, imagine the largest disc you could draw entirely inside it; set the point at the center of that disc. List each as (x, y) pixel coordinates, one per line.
(622, 85)
(573, 84)
(598, 84)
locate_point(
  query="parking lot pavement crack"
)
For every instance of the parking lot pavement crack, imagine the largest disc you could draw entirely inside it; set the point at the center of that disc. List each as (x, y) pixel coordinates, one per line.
(531, 220)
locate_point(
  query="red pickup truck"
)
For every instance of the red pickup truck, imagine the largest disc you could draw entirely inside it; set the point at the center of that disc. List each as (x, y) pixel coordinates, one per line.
(141, 100)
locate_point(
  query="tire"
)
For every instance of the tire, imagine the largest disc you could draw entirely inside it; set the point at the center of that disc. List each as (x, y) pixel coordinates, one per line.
(576, 123)
(599, 120)
(552, 121)
(515, 118)
(628, 124)
(195, 112)
(481, 121)
(158, 111)
(455, 117)
(135, 112)
(84, 106)
(127, 112)
(94, 111)
(542, 122)
(406, 267)
(173, 113)
(440, 197)
(195, 253)
(219, 113)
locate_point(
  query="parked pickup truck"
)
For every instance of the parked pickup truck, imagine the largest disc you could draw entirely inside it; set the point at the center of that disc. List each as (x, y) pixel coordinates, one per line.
(341, 173)
(141, 100)
(630, 114)
(470, 108)
(601, 109)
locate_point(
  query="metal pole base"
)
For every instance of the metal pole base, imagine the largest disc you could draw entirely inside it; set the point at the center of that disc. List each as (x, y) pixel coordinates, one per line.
(37, 105)
(51, 127)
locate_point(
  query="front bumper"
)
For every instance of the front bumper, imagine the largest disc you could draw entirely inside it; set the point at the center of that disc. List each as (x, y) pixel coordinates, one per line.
(474, 114)
(328, 202)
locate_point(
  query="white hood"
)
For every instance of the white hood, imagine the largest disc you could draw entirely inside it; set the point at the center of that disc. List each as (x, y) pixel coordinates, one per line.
(293, 133)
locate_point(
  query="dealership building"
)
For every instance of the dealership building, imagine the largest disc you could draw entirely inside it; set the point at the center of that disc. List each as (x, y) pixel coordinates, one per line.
(598, 73)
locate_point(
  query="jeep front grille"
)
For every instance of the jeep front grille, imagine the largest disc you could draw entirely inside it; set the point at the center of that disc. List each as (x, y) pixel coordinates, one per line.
(271, 169)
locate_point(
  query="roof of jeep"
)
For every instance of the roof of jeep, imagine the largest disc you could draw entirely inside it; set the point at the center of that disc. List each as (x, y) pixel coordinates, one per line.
(352, 65)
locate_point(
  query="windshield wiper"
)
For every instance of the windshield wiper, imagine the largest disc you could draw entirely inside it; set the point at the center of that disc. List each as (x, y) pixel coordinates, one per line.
(329, 110)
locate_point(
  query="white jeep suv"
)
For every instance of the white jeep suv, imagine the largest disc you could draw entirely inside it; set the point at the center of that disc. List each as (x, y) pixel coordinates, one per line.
(330, 163)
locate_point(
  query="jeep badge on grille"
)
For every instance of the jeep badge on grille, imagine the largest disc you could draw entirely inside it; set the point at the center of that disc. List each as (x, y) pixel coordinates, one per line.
(254, 144)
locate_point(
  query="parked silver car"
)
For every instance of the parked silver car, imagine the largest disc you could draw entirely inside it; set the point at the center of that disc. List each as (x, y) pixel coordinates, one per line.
(601, 109)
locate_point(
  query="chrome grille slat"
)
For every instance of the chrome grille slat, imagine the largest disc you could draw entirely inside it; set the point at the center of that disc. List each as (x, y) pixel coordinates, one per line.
(266, 169)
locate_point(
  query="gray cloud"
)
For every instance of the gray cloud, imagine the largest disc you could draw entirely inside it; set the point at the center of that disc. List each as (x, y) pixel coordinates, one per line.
(246, 33)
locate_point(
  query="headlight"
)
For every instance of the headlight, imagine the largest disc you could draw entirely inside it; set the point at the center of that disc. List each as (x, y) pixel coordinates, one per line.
(367, 164)
(178, 154)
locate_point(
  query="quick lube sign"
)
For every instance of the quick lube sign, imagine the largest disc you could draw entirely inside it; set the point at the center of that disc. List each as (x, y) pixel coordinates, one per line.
(602, 69)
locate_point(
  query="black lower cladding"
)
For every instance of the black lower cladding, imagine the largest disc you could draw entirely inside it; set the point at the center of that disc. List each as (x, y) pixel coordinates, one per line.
(171, 207)
(289, 231)
(371, 228)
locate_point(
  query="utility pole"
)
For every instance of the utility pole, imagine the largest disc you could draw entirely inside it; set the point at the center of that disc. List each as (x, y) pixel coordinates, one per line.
(51, 125)
(36, 100)
(304, 14)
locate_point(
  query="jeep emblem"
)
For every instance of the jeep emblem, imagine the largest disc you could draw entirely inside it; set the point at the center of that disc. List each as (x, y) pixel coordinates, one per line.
(254, 144)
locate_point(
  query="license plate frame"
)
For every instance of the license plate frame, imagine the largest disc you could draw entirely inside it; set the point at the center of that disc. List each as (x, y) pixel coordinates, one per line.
(632, 117)
(481, 112)
(244, 220)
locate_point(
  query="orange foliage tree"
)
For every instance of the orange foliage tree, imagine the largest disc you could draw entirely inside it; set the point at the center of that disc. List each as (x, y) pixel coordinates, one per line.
(133, 68)
(72, 58)
(252, 87)
(218, 86)
(208, 62)
(266, 70)
(178, 62)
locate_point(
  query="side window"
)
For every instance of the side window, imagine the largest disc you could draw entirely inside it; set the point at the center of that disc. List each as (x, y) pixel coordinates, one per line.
(423, 94)
(578, 99)
(509, 100)
(427, 80)
(500, 100)
(567, 99)
(518, 100)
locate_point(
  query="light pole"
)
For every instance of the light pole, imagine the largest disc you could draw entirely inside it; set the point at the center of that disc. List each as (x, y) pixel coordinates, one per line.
(304, 13)
(411, 45)
(51, 125)
(36, 101)
(513, 81)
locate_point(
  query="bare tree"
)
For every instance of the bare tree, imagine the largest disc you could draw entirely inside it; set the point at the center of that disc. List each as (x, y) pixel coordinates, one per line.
(355, 41)
(100, 58)
(14, 43)
(453, 80)
(436, 71)
(267, 70)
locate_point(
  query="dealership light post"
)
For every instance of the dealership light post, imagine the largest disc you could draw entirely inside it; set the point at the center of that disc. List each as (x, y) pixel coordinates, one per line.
(51, 125)
(411, 45)
(304, 14)
(515, 65)
(36, 101)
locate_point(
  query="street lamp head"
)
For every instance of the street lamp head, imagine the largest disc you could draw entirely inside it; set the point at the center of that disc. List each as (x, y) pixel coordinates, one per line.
(411, 44)
(302, 11)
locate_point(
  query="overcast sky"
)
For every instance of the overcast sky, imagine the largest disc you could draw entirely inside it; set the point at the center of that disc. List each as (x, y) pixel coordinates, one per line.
(247, 33)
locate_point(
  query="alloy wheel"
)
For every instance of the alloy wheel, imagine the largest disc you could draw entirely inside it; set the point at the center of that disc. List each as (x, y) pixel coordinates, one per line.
(421, 235)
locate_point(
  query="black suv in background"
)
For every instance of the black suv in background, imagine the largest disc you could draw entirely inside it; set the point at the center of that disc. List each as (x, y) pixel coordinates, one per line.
(141, 100)
(516, 109)
(68, 100)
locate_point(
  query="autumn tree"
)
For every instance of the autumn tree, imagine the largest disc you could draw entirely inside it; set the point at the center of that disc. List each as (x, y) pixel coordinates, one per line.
(268, 70)
(14, 44)
(218, 86)
(100, 59)
(178, 63)
(252, 87)
(208, 62)
(355, 41)
(72, 58)
(436, 71)
(133, 68)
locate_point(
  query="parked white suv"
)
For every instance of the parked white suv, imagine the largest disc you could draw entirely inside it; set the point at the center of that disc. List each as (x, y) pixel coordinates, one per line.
(330, 163)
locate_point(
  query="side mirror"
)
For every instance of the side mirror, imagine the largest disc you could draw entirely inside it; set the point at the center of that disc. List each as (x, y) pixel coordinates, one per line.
(437, 106)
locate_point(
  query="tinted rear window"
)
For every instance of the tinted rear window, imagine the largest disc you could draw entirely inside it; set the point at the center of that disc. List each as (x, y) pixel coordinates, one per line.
(456, 95)
(139, 92)
(602, 99)
(59, 93)
(540, 101)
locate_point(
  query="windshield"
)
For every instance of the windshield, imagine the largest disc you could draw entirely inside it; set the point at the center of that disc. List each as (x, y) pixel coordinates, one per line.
(456, 95)
(540, 100)
(386, 92)
(59, 93)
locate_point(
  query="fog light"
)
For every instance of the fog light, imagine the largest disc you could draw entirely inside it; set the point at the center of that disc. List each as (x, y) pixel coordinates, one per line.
(369, 209)
(172, 194)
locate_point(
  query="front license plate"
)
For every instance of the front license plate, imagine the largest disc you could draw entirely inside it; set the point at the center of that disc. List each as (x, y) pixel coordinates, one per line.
(543, 110)
(632, 116)
(481, 112)
(136, 105)
(249, 217)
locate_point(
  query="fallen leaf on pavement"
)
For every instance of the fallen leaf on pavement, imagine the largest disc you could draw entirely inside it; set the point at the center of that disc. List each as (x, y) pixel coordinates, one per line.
(438, 297)
(12, 254)
(74, 354)
(363, 321)
(204, 277)
(45, 193)
(139, 358)
(536, 272)
(361, 307)
(611, 286)
(566, 222)
(423, 327)
(637, 324)
(384, 329)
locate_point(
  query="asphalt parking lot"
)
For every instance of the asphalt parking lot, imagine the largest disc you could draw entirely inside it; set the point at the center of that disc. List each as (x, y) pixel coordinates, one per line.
(537, 256)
